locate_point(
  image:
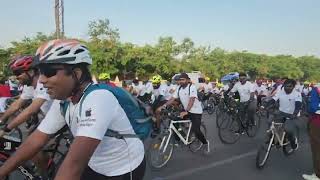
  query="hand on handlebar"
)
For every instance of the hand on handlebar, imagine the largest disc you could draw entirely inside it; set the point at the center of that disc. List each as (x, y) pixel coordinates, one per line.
(184, 113)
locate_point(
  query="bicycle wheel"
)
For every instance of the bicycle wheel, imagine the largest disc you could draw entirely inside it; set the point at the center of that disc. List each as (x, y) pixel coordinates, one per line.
(263, 153)
(219, 111)
(159, 154)
(252, 129)
(230, 134)
(196, 143)
(225, 120)
(210, 108)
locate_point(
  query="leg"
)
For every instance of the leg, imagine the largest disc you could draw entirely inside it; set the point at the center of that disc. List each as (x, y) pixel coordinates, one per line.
(314, 133)
(290, 128)
(196, 122)
(41, 161)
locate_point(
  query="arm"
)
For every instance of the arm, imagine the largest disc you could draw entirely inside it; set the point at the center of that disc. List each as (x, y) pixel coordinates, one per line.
(77, 158)
(190, 104)
(26, 151)
(27, 113)
(15, 106)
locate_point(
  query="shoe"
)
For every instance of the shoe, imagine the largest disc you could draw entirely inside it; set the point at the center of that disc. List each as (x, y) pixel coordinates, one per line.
(310, 177)
(295, 146)
(206, 148)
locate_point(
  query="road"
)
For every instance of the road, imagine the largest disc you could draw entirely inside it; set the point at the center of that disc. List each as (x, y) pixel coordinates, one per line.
(237, 161)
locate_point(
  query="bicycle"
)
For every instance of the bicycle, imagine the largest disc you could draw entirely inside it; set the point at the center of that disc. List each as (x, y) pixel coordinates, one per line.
(276, 137)
(226, 106)
(233, 125)
(28, 170)
(161, 148)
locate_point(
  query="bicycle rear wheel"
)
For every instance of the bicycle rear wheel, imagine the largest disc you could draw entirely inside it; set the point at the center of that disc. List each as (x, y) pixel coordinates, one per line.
(263, 153)
(196, 143)
(230, 134)
(159, 154)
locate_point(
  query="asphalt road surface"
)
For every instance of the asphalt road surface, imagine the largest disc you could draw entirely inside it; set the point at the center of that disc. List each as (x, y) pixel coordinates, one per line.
(236, 161)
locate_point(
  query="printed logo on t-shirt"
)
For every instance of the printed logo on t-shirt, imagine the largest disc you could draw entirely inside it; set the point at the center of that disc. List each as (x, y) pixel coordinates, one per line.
(88, 113)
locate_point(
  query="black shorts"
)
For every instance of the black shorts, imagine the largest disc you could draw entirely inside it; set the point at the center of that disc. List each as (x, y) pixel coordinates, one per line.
(137, 174)
(158, 104)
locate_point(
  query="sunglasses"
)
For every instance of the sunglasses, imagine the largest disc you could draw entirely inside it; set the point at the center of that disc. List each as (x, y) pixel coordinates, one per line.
(49, 71)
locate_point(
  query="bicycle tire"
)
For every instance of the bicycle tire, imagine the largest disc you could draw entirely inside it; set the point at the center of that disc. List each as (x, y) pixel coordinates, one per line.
(155, 154)
(225, 121)
(196, 144)
(252, 130)
(264, 152)
(219, 111)
(210, 109)
(230, 131)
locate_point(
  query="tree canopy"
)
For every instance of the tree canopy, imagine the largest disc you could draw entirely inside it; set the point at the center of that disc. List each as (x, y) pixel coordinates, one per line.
(168, 57)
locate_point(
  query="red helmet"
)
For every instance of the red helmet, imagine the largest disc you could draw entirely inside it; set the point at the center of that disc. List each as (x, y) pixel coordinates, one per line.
(21, 63)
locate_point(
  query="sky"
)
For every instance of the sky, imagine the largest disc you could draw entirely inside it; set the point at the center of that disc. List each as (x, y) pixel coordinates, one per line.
(259, 26)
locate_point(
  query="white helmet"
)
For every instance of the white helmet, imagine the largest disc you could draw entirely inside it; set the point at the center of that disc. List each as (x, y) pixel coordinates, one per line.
(62, 51)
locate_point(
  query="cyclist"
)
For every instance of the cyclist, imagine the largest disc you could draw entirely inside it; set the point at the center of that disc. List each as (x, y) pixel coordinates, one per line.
(206, 89)
(290, 103)
(146, 91)
(105, 78)
(4, 94)
(159, 93)
(314, 132)
(64, 70)
(246, 93)
(260, 91)
(28, 76)
(306, 89)
(187, 93)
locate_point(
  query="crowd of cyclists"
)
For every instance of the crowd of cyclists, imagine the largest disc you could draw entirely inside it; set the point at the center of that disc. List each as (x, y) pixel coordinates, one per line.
(58, 77)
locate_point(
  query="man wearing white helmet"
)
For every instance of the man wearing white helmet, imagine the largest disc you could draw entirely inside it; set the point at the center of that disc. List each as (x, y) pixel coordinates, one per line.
(64, 71)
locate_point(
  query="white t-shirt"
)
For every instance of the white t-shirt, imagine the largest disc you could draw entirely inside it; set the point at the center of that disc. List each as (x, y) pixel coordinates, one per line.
(260, 89)
(185, 96)
(287, 101)
(100, 111)
(216, 90)
(29, 92)
(170, 91)
(140, 89)
(306, 91)
(244, 90)
(207, 87)
(162, 90)
(147, 89)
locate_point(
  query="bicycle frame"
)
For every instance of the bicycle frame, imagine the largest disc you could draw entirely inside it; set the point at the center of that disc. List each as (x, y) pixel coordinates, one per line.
(21, 168)
(172, 129)
(275, 134)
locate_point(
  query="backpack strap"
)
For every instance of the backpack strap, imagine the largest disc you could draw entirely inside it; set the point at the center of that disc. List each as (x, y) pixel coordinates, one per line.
(110, 132)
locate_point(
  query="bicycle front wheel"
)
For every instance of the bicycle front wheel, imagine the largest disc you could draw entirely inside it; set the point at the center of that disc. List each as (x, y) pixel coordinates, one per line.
(263, 153)
(160, 151)
(230, 134)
